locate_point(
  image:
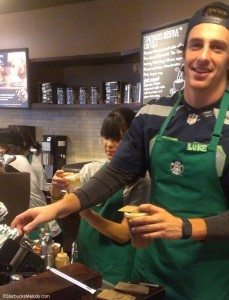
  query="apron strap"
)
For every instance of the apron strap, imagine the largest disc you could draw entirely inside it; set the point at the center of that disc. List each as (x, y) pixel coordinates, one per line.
(216, 135)
(30, 157)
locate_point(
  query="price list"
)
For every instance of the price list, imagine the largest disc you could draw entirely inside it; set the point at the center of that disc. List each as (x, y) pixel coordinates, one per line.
(162, 60)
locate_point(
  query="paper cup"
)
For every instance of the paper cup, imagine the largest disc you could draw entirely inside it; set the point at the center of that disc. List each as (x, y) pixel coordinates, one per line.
(136, 240)
(73, 181)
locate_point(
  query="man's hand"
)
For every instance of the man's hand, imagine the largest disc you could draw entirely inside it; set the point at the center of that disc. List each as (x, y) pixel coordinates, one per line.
(28, 220)
(32, 217)
(158, 224)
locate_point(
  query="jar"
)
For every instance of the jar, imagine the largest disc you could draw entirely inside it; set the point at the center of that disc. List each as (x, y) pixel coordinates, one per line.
(94, 97)
(70, 95)
(60, 95)
(82, 95)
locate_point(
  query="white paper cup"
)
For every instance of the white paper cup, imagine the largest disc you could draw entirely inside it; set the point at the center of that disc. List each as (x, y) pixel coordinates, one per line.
(136, 240)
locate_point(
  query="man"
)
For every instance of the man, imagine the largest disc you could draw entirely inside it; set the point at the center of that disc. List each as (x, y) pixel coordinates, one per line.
(188, 163)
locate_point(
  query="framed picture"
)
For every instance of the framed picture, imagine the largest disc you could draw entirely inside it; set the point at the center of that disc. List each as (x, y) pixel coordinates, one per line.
(14, 78)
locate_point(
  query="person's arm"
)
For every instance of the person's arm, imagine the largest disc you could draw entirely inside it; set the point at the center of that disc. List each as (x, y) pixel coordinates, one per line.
(58, 184)
(138, 192)
(217, 227)
(32, 217)
(118, 232)
(103, 184)
(159, 223)
(96, 190)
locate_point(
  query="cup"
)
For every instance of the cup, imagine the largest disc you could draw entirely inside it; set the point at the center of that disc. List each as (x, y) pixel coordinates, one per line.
(73, 181)
(136, 240)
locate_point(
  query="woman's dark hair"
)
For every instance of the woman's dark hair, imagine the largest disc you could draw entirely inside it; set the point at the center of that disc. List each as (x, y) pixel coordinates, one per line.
(10, 137)
(26, 137)
(117, 123)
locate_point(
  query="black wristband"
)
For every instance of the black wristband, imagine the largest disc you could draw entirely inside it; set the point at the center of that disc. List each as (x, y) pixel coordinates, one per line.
(186, 228)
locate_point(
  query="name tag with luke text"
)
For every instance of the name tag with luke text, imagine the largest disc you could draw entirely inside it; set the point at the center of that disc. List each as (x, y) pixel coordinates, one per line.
(196, 147)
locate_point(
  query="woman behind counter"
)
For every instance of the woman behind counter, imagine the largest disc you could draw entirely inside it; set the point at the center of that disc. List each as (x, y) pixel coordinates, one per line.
(17, 140)
(103, 237)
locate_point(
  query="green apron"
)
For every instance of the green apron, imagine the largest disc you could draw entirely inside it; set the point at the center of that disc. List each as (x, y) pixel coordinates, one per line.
(112, 259)
(185, 182)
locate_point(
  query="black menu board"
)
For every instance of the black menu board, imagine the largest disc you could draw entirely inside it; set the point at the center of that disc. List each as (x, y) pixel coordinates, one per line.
(14, 78)
(161, 60)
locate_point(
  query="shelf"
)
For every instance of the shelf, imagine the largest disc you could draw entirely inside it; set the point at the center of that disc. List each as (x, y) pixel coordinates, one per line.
(130, 56)
(71, 71)
(46, 106)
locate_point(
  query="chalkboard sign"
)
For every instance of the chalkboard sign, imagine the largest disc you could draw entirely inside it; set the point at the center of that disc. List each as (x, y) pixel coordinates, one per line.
(162, 60)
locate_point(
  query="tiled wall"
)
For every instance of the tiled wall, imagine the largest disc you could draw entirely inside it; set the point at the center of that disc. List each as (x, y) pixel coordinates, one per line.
(82, 127)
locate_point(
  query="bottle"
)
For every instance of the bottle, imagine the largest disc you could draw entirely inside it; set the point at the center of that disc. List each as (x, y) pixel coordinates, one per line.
(74, 252)
(127, 94)
(62, 259)
(2, 162)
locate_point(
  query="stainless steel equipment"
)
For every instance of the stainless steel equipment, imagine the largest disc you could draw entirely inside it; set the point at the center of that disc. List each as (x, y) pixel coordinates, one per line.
(53, 153)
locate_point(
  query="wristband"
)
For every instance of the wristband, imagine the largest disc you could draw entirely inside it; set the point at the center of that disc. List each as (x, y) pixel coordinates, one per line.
(186, 228)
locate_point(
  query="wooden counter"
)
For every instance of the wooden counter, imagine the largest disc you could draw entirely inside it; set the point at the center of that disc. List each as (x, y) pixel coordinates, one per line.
(50, 286)
(47, 285)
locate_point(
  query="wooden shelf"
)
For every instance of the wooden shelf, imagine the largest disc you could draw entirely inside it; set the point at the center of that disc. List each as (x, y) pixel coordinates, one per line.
(46, 106)
(69, 69)
(130, 56)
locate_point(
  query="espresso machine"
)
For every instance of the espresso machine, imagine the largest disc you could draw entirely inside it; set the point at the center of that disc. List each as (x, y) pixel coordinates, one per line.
(53, 153)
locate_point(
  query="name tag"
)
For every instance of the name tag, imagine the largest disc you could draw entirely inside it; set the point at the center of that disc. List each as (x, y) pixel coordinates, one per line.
(196, 147)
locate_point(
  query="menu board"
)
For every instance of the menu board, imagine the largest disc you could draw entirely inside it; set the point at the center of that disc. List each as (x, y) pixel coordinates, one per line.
(14, 78)
(162, 59)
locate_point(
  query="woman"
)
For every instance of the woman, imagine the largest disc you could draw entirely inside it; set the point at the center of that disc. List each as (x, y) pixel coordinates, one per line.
(103, 238)
(31, 149)
(17, 140)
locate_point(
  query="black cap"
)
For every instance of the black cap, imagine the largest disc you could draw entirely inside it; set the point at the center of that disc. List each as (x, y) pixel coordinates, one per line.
(216, 13)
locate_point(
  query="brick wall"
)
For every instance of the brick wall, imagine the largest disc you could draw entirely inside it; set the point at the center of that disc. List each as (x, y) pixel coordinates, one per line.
(81, 127)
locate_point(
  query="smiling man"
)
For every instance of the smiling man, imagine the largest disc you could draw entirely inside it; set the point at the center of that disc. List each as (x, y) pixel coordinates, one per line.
(183, 142)
(206, 64)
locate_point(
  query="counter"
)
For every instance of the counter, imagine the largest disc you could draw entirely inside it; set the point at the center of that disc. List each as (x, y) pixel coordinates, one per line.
(47, 285)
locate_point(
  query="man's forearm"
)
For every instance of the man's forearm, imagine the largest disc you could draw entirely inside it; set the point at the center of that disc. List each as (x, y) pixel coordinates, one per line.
(102, 185)
(211, 228)
(218, 227)
(199, 229)
(69, 204)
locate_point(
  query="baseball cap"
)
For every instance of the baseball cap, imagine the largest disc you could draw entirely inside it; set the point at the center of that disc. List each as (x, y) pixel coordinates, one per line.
(216, 13)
